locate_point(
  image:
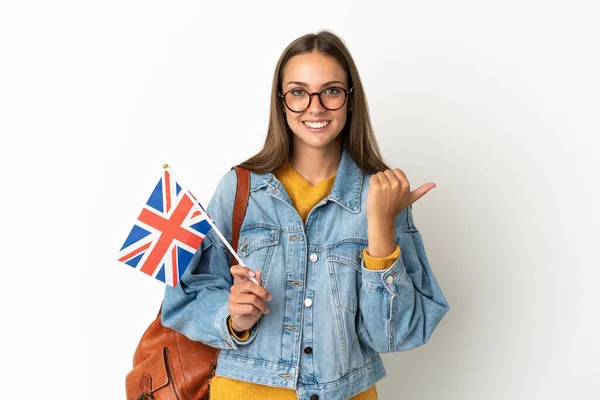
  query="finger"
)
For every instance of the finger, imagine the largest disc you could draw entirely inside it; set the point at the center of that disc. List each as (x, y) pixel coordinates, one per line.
(258, 277)
(383, 180)
(241, 273)
(374, 180)
(395, 182)
(238, 310)
(241, 310)
(247, 298)
(402, 177)
(421, 191)
(251, 287)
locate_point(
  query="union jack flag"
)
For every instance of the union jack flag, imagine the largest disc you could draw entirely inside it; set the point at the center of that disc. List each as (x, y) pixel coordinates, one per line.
(167, 232)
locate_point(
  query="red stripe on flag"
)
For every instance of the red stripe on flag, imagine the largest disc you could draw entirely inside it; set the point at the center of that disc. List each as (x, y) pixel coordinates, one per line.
(195, 214)
(168, 191)
(135, 252)
(170, 230)
(174, 267)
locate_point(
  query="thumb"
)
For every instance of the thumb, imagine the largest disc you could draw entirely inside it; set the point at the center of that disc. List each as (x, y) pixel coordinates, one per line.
(421, 191)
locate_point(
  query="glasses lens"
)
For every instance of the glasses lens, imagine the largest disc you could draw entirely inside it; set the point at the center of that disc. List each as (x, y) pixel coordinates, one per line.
(333, 98)
(297, 100)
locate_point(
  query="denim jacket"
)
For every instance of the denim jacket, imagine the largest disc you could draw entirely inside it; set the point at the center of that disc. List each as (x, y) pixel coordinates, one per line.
(330, 317)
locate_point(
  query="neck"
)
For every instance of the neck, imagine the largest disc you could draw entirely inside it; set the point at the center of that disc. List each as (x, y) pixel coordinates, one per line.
(316, 164)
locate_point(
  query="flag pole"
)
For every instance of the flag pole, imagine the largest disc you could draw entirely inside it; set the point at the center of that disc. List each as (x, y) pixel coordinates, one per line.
(212, 224)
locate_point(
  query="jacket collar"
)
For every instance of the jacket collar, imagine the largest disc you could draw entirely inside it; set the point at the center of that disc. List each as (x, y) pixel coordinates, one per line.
(346, 189)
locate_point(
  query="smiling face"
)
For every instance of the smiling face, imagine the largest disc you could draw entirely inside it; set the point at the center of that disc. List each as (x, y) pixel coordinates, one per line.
(315, 127)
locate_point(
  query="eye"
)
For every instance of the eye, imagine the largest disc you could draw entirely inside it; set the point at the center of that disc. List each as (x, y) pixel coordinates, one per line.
(297, 92)
(333, 91)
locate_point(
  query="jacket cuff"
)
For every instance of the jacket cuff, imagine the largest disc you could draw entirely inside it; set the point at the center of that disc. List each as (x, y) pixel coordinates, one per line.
(380, 263)
(242, 337)
(388, 279)
(221, 321)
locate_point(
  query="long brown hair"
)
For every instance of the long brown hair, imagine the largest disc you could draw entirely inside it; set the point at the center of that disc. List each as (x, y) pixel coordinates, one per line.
(357, 134)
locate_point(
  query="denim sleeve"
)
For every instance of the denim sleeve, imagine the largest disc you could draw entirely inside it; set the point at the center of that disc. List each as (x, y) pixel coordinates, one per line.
(198, 306)
(402, 305)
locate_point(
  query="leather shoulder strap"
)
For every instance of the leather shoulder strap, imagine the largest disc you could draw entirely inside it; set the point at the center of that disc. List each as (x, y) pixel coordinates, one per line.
(242, 195)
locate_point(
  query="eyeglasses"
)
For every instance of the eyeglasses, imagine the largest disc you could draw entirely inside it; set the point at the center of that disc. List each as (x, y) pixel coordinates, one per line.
(332, 98)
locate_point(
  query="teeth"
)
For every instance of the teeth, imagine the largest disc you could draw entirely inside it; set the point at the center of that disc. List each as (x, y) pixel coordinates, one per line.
(316, 125)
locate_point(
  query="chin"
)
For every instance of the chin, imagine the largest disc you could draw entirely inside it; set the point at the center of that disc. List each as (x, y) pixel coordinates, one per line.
(320, 143)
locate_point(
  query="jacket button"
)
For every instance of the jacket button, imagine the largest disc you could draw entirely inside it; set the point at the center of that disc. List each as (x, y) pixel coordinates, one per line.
(307, 302)
(314, 397)
(313, 257)
(308, 350)
(389, 280)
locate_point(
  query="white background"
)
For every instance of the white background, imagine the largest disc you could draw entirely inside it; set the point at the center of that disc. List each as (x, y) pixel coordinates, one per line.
(496, 102)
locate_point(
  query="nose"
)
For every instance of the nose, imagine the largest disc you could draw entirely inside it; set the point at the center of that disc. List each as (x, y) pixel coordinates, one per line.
(315, 105)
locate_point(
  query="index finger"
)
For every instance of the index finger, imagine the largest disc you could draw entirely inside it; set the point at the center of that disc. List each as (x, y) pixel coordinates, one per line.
(402, 176)
(241, 273)
(250, 287)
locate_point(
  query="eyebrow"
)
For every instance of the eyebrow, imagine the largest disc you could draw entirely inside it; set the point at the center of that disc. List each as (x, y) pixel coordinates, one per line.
(323, 85)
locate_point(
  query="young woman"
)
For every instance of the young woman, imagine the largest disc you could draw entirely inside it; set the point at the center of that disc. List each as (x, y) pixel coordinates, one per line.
(329, 237)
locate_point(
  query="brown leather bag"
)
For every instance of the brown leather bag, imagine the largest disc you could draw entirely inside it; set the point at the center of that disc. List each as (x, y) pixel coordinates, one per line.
(166, 364)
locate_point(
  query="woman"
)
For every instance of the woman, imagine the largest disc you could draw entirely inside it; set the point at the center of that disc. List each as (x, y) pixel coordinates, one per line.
(329, 237)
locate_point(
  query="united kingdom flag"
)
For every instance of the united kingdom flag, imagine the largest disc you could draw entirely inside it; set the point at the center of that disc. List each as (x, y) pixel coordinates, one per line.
(167, 232)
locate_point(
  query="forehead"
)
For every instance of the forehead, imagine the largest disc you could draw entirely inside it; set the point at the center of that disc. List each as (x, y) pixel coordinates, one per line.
(313, 69)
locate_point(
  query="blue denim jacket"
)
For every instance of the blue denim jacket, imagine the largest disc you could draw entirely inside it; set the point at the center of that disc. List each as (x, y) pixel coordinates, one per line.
(330, 316)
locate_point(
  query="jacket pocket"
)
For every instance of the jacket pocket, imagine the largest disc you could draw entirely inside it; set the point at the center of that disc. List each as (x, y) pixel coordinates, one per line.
(257, 243)
(344, 262)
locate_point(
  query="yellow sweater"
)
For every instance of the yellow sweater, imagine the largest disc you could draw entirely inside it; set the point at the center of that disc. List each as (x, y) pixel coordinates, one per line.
(304, 197)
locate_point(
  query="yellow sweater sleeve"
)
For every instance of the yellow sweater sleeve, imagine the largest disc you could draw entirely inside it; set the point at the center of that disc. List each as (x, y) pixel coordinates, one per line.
(380, 263)
(242, 336)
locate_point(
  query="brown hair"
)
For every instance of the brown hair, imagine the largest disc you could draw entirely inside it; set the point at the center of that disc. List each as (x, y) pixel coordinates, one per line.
(357, 134)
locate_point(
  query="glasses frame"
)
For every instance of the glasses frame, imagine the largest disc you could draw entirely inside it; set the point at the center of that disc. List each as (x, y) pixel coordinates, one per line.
(310, 97)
